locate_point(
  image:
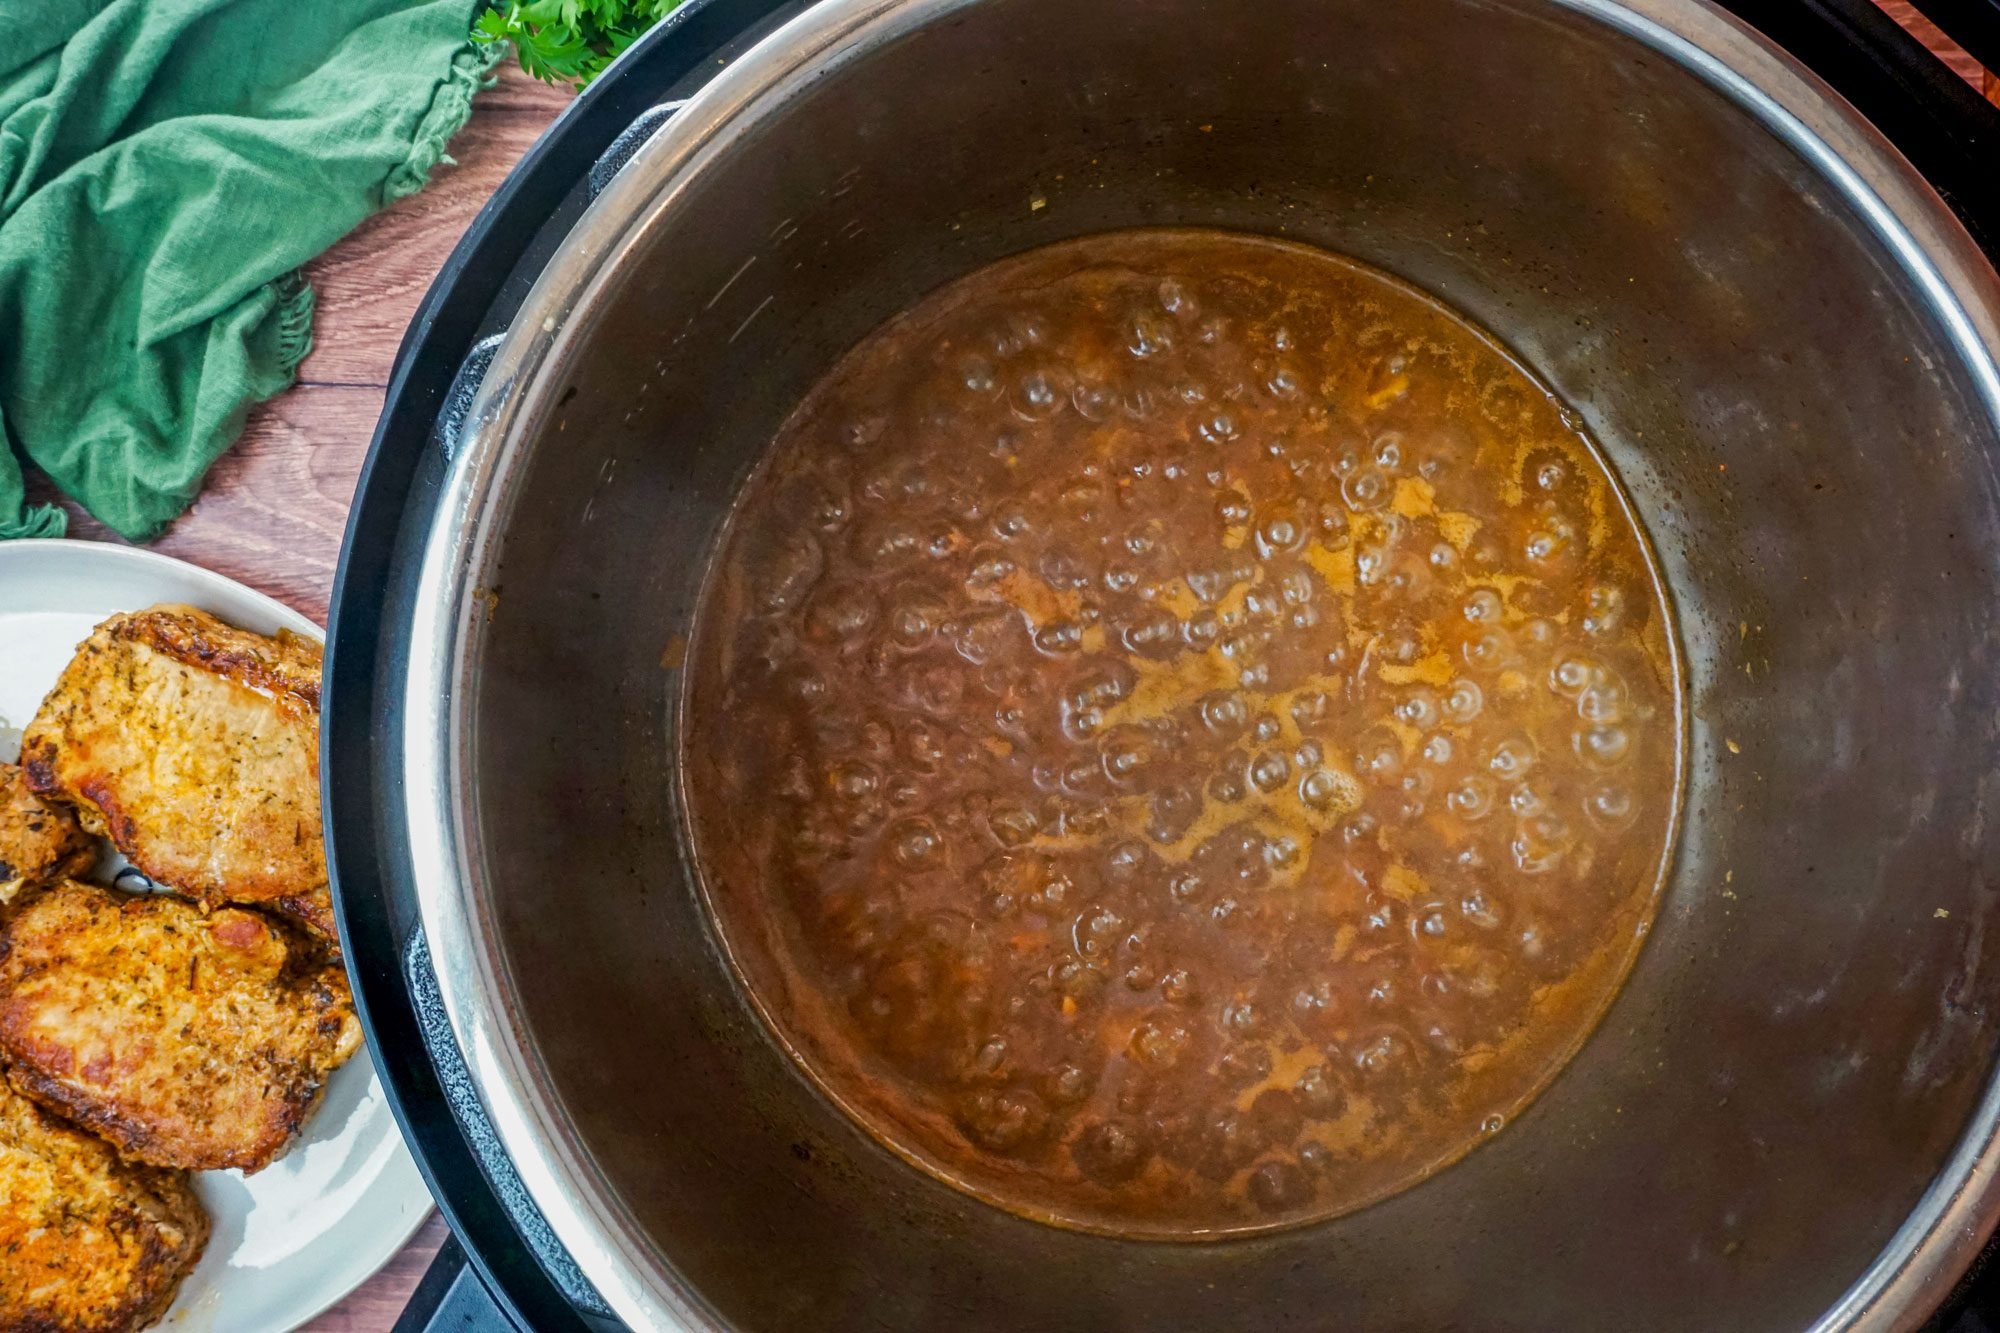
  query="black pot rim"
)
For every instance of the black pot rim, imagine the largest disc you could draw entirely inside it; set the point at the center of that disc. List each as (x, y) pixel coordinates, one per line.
(1945, 128)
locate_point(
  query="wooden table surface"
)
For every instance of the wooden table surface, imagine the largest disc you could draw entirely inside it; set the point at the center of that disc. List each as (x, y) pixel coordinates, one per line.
(274, 507)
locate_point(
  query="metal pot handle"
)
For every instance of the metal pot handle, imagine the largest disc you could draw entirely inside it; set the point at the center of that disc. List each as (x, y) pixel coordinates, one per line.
(465, 383)
(643, 127)
(582, 1301)
(452, 1299)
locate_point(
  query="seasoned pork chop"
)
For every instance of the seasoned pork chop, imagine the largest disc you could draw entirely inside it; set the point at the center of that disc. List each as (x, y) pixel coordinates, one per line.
(40, 841)
(88, 1244)
(188, 1039)
(194, 747)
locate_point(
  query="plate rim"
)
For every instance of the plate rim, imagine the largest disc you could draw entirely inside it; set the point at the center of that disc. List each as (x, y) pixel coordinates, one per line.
(115, 553)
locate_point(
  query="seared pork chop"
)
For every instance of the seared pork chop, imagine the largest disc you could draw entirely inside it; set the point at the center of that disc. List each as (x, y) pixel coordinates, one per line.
(40, 841)
(194, 746)
(88, 1243)
(187, 1038)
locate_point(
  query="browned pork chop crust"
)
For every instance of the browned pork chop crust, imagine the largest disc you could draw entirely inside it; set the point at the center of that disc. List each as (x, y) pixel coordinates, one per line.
(40, 840)
(188, 1039)
(194, 746)
(88, 1243)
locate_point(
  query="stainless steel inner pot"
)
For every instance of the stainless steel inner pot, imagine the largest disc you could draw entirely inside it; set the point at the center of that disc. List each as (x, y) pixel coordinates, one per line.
(1787, 348)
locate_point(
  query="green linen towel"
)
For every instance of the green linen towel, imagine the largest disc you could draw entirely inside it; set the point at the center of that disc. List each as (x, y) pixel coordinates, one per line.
(165, 167)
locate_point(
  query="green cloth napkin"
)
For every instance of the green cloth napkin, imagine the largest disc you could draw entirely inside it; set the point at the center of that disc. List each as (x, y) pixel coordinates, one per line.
(165, 167)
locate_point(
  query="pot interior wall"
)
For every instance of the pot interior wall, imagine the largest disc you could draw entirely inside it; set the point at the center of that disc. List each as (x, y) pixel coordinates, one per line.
(1814, 1017)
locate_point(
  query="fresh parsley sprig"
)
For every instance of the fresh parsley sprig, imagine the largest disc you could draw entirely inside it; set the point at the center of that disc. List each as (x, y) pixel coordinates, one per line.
(569, 41)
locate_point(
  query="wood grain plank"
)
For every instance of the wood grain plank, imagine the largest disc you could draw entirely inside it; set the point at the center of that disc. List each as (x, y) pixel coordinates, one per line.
(1944, 48)
(274, 507)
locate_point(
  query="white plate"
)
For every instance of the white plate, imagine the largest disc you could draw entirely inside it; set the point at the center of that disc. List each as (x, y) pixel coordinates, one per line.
(303, 1232)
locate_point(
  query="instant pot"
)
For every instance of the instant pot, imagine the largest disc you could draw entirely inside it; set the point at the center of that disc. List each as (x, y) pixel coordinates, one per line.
(1751, 244)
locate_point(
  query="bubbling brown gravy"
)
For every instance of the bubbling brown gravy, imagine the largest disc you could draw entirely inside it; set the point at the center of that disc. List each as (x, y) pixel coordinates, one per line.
(1183, 735)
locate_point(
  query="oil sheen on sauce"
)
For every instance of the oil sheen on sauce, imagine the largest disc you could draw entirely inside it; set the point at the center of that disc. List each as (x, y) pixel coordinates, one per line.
(1183, 735)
